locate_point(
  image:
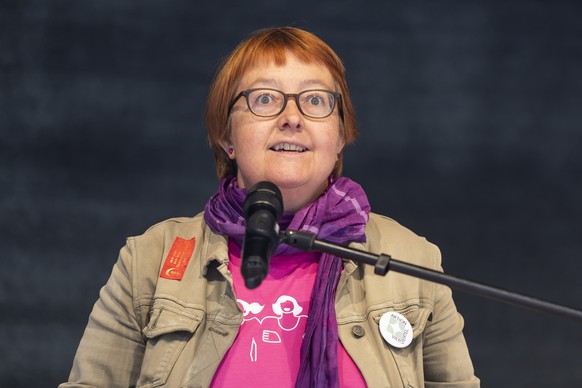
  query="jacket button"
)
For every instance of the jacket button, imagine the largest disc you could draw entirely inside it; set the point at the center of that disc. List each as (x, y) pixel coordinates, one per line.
(358, 331)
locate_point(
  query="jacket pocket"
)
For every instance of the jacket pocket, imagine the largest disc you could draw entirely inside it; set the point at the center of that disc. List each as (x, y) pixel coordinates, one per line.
(170, 327)
(409, 359)
(417, 315)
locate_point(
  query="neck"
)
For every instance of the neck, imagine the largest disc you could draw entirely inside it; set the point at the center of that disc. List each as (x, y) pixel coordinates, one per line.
(295, 199)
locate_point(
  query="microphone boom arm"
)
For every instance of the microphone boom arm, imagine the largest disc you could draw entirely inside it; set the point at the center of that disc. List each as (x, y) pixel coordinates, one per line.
(383, 263)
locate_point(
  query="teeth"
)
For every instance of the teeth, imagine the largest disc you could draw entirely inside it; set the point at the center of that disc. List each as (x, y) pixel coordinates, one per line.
(288, 147)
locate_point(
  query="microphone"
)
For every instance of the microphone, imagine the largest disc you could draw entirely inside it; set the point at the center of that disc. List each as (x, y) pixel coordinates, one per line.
(262, 209)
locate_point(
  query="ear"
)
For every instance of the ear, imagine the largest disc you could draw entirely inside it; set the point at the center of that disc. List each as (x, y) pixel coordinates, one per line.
(228, 149)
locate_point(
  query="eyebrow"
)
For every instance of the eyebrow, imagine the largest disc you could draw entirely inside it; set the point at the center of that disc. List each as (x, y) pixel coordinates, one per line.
(314, 82)
(304, 84)
(269, 81)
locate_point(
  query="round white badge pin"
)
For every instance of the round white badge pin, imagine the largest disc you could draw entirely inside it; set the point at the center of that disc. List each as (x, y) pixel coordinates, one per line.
(396, 329)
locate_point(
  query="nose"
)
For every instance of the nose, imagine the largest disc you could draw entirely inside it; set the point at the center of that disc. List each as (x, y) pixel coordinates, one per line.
(291, 117)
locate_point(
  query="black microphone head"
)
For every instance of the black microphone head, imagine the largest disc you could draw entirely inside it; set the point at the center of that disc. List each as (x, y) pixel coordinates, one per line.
(264, 195)
(263, 207)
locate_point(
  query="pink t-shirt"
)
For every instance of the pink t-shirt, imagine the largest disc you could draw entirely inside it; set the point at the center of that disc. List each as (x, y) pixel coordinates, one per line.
(266, 351)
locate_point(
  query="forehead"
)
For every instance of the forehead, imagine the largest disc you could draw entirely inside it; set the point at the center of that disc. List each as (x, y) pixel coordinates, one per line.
(292, 72)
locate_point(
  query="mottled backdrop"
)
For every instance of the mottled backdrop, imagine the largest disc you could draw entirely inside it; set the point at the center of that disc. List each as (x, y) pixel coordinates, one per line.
(470, 115)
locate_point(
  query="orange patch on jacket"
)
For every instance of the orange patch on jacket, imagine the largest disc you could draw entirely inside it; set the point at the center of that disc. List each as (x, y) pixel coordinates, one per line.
(178, 258)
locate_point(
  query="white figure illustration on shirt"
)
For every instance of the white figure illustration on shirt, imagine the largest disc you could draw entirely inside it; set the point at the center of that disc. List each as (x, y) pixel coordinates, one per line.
(287, 316)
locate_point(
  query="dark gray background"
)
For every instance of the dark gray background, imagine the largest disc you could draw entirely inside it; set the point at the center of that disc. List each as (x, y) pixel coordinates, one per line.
(470, 117)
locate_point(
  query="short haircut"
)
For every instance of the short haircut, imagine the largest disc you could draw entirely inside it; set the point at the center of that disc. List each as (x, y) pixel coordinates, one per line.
(266, 45)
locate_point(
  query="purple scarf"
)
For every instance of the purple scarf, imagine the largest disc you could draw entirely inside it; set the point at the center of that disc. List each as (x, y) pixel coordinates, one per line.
(339, 215)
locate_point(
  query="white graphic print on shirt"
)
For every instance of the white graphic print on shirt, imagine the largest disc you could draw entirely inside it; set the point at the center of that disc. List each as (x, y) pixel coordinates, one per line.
(275, 323)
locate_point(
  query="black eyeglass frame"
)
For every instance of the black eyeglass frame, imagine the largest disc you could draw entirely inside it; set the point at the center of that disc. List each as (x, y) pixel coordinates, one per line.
(336, 101)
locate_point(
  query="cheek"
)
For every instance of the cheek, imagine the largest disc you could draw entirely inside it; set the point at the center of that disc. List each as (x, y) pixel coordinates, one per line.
(335, 135)
(247, 132)
(239, 137)
(336, 141)
(340, 144)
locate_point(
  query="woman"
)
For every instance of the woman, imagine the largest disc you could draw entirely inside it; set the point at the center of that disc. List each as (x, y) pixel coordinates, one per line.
(175, 311)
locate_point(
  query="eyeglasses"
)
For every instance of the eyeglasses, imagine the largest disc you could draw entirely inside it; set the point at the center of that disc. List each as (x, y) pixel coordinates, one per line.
(315, 103)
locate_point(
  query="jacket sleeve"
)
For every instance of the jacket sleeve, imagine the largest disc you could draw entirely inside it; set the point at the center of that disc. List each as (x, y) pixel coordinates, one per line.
(112, 347)
(446, 357)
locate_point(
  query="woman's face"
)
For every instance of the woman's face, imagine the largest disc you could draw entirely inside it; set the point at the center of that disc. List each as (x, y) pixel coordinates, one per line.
(302, 171)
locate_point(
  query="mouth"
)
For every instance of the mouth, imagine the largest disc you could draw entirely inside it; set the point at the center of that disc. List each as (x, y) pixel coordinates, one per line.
(288, 147)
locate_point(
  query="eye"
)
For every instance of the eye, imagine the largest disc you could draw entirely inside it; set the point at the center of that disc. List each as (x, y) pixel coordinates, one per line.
(314, 99)
(265, 99)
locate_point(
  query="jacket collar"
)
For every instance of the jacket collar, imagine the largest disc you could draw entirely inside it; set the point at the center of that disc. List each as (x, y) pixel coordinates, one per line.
(215, 248)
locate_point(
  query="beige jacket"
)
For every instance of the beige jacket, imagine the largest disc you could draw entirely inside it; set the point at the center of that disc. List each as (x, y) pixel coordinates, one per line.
(147, 331)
